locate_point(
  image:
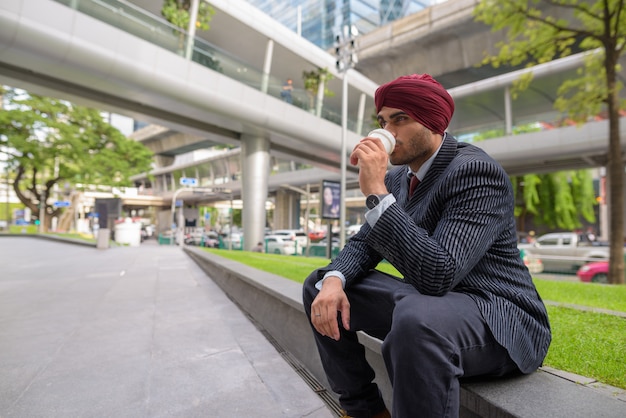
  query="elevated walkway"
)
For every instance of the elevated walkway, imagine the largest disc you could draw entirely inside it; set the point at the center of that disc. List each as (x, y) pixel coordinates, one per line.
(124, 60)
(106, 64)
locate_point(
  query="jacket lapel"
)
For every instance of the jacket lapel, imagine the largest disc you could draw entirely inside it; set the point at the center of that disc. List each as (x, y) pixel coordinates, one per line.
(440, 163)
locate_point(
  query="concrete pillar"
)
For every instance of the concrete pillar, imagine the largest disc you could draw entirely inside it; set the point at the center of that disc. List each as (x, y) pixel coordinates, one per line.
(102, 240)
(320, 97)
(361, 114)
(508, 115)
(287, 209)
(191, 30)
(267, 65)
(255, 170)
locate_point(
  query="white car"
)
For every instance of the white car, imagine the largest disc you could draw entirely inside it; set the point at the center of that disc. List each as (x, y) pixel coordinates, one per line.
(236, 238)
(277, 244)
(194, 236)
(293, 234)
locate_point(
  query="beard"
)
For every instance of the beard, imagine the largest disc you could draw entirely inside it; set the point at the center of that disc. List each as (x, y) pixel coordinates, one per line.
(417, 148)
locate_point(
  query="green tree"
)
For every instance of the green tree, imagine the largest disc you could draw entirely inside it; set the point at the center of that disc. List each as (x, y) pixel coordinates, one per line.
(313, 80)
(557, 199)
(178, 13)
(535, 36)
(49, 142)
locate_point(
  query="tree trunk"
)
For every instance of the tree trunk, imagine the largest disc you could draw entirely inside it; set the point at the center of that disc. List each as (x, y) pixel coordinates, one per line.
(615, 170)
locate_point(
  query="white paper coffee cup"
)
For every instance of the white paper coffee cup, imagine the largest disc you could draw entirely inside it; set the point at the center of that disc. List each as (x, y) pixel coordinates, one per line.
(388, 140)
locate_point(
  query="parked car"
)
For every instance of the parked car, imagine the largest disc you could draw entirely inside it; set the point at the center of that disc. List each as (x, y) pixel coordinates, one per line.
(596, 272)
(317, 235)
(566, 251)
(194, 236)
(210, 239)
(277, 244)
(294, 234)
(334, 241)
(236, 239)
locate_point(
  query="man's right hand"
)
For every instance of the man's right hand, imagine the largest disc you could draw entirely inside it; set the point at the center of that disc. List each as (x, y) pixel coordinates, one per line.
(330, 300)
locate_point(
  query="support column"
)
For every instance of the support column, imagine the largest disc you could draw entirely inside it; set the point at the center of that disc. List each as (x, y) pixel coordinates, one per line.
(360, 115)
(508, 114)
(255, 168)
(267, 65)
(191, 30)
(320, 97)
(287, 209)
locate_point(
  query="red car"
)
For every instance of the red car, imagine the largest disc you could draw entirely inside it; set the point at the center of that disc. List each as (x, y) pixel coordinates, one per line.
(596, 272)
(316, 235)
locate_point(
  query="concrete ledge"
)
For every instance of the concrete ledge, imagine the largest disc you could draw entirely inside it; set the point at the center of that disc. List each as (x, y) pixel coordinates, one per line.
(275, 304)
(51, 238)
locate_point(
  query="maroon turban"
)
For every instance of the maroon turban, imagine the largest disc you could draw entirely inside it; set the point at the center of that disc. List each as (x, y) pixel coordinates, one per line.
(421, 97)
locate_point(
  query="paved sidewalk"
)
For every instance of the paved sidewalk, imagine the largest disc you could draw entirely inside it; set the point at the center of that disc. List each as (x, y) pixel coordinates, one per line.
(132, 332)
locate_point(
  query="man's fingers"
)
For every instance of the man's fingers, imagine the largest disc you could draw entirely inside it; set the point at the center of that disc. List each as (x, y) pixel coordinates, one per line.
(345, 316)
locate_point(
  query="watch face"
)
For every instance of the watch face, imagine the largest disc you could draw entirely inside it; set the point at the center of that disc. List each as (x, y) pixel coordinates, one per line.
(372, 201)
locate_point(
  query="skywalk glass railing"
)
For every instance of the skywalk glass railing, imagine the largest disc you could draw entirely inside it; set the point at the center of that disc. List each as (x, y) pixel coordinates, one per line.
(154, 29)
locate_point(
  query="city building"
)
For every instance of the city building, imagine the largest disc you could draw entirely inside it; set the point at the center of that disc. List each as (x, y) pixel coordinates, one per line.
(320, 21)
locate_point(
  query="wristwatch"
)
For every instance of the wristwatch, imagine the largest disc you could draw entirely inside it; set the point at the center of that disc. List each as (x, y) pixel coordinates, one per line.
(373, 200)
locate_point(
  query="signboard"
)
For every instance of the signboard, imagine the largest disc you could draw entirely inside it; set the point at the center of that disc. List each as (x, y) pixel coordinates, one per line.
(61, 204)
(188, 181)
(331, 198)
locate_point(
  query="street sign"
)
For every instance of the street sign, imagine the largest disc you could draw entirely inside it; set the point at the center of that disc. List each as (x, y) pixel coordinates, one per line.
(61, 204)
(188, 181)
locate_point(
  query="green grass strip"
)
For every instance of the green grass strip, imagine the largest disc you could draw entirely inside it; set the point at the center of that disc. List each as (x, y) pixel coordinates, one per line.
(593, 295)
(589, 344)
(291, 267)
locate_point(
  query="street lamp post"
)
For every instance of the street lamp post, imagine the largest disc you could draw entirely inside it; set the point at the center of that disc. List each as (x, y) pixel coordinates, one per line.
(346, 59)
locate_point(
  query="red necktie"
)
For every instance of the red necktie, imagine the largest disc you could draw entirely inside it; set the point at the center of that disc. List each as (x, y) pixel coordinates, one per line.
(414, 182)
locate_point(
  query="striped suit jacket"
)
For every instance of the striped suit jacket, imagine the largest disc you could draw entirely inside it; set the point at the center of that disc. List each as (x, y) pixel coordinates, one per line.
(457, 234)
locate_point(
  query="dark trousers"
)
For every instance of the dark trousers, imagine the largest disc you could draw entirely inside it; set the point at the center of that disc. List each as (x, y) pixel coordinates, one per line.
(429, 343)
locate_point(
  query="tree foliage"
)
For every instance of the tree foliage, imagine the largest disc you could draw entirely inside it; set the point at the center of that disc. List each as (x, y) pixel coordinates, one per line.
(49, 142)
(177, 12)
(558, 200)
(312, 81)
(538, 31)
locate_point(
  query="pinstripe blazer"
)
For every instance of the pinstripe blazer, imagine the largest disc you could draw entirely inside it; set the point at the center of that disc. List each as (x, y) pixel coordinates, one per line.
(457, 234)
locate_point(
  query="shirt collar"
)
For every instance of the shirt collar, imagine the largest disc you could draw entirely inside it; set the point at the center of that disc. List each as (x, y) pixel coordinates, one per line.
(421, 173)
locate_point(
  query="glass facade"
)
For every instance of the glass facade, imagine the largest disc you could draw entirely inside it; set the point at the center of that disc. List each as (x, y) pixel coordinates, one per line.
(320, 21)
